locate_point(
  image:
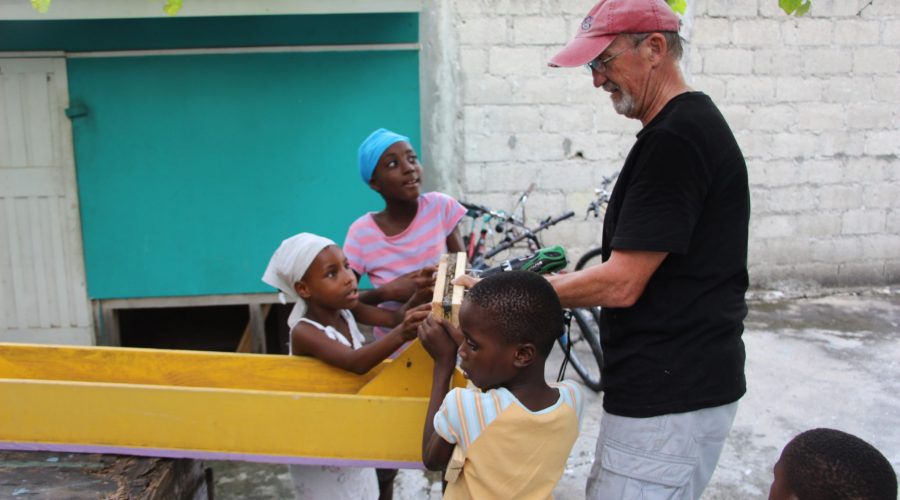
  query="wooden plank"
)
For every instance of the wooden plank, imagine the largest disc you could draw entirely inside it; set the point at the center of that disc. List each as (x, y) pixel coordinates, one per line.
(192, 301)
(447, 297)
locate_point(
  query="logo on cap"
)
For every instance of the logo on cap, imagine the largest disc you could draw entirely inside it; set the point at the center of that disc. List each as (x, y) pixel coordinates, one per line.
(586, 24)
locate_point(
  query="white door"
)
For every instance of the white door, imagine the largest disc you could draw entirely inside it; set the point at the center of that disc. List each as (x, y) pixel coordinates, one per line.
(43, 298)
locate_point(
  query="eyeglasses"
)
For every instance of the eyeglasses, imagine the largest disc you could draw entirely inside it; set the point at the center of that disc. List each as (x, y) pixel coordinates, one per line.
(600, 65)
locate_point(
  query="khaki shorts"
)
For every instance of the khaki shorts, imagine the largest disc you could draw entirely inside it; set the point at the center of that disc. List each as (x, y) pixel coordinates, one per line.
(666, 457)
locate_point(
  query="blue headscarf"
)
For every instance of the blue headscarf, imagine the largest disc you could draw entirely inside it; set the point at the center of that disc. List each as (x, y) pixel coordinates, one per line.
(373, 147)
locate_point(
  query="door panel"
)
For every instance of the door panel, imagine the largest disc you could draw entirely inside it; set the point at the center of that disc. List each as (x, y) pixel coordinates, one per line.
(43, 296)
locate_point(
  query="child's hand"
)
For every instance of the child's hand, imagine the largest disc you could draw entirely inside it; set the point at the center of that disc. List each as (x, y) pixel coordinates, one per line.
(405, 287)
(412, 319)
(437, 341)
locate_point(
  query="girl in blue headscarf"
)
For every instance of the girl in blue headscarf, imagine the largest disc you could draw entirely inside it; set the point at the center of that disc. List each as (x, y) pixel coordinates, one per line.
(399, 246)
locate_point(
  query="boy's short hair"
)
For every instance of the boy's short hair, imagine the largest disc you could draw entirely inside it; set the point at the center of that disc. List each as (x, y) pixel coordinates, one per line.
(822, 464)
(524, 306)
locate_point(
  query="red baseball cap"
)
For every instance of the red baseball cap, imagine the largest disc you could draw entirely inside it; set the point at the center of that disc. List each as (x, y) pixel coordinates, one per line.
(607, 20)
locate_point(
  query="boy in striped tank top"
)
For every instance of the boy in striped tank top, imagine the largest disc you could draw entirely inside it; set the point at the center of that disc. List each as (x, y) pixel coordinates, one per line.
(510, 436)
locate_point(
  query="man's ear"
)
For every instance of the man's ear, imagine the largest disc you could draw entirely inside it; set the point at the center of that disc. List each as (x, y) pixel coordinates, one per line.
(302, 290)
(658, 47)
(525, 354)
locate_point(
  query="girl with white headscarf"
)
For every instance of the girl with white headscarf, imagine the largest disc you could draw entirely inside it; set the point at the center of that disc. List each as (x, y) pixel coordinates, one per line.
(313, 272)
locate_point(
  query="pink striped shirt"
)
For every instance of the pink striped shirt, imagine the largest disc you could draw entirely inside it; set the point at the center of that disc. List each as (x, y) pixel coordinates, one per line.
(421, 244)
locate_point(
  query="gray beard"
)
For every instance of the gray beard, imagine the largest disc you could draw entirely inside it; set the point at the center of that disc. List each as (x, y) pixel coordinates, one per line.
(625, 105)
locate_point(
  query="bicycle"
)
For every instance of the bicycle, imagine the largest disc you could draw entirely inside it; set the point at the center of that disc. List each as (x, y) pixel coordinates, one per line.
(541, 260)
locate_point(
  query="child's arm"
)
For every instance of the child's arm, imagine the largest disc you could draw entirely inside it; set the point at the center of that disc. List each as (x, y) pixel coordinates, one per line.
(455, 241)
(421, 292)
(436, 451)
(307, 339)
(400, 289)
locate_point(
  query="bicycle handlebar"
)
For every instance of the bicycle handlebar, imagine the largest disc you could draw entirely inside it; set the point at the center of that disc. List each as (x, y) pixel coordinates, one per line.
(529, 233)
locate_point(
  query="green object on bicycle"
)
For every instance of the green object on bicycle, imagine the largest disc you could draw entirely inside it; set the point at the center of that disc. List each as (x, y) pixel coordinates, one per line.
(546, 260)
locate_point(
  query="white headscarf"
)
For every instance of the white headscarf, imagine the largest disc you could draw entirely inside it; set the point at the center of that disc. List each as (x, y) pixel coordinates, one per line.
(288, 265)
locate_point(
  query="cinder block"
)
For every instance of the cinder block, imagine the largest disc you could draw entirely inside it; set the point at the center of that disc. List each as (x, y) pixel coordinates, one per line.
(834, 8)
(511, 177)
(727, 61)
(473, 62)
(738, 116)
(713, 86)
(771, 117)
(565, 118)
(818, 61)
(567, 176)
(821, 117)
(877, 60)
(482, 31)
(709, 31)
(796, 145)
(760, 89)
(511, 119)
(798, 89)
(840, 197)
(848, 89)
(731, 8)
(538, 146)
(835, 249)
(893, 220)
(771, 226)
(870, 116)
(819, 171)
(869, 170)
(885, 142)
(756, 33)
(523, 62)
(806, 31)
(792, 200)
(540, 30)
(537, 91)
(854, 32)
(886, 88)
(862, 273)
(473, 178)
(839, 143)
(817, 224)
(778, 62)
(881, 247)
(489, 148)
(891, 32)
(487, 90)
(864, 221)
(881, 9)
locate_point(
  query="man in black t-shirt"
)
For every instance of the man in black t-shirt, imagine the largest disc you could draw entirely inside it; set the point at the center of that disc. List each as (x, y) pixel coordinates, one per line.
(674, 269)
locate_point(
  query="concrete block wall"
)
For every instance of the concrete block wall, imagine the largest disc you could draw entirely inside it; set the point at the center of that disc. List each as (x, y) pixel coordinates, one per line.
(814, 103)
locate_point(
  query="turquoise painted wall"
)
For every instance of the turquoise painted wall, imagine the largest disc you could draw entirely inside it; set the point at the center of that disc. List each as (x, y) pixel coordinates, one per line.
(192, 169)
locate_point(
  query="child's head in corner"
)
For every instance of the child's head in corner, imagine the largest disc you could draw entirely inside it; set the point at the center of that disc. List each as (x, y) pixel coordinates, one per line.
(389, 165)
(510, 321)
(312, 270)
(823, 464)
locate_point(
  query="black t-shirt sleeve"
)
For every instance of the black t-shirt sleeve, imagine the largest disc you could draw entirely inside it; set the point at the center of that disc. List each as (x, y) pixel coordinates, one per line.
(665, 195)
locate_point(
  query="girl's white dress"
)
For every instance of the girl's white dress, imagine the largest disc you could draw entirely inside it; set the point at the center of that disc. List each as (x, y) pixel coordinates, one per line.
(330, 482)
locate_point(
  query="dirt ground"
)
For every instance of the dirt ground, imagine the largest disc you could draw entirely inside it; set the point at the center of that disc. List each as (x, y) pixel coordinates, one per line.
(829, 358)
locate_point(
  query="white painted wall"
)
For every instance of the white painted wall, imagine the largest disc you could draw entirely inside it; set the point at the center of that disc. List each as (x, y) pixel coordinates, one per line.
(813, 101)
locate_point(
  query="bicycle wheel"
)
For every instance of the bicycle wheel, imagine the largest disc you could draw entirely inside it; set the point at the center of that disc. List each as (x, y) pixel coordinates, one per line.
(584, 353)
(590, 255)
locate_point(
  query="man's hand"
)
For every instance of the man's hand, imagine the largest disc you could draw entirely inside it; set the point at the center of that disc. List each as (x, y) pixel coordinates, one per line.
(465, 281)
(436, 339)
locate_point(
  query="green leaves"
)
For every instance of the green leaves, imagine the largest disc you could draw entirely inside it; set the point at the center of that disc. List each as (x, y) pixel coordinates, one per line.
(173, 6)
(679, 5)
(795, 7)
(40, 5)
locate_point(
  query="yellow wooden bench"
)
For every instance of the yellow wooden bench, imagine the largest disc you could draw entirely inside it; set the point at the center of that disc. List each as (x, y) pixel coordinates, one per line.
(205, 405)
